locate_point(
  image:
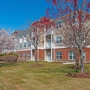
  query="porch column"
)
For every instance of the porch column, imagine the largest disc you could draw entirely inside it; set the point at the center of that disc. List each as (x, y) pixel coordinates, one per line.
(31, 50)
(44, 47)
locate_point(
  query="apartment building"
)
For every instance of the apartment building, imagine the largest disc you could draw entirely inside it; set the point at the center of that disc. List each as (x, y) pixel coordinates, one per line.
(50, 49)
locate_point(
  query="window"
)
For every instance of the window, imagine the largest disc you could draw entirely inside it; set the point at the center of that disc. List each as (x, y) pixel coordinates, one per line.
(58, 24)
(16, 45)
(58, 55)
(20, 45)
(25, 44)
(25, 39)
(20, 40)
(59, 39)
(24, 55)
(72, 55)
(29, 44)
(29, 55)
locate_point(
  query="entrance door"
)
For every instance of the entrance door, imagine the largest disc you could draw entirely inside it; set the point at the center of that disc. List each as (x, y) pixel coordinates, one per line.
(49, 56)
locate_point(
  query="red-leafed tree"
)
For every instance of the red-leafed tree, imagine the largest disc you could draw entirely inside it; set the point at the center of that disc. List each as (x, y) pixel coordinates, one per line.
(75, 23)
(38, 29)
(7, 41)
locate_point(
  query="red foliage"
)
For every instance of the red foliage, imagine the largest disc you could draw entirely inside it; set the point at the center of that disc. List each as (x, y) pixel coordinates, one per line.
(88, 5)
(54, 2)
(34, 23)
(75, 3)
(38, 26)
(44, 20)
(50, 24)
(68, 0)
(80, 12)
(57, 7)
(68, 9)
(80, 15)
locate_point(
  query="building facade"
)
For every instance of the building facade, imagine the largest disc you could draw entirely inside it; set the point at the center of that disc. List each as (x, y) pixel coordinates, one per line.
(51, 48)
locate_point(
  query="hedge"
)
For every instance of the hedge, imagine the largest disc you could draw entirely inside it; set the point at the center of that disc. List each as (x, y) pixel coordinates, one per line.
(11, 57)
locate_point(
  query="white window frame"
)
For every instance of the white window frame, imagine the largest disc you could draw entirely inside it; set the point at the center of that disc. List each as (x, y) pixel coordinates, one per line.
(58, 24)
(24, 55)
(29, 55)
(21, 40)
(59, 40)
(59, 54)
(20, 45)
(29, 44)
(24, 44)
(71, 55)
(25, 40)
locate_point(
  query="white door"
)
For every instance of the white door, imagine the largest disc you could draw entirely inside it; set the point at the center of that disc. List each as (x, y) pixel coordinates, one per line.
(49, 56)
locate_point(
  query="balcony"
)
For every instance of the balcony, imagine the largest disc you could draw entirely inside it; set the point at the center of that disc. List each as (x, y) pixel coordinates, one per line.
(48, 45)
(32, 47)
(48, 32)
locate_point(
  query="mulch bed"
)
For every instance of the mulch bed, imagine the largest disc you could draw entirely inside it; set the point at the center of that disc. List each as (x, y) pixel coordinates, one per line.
(73, 67)
(79, 75)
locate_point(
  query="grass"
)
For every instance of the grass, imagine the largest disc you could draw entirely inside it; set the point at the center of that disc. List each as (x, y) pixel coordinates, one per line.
(51, 76)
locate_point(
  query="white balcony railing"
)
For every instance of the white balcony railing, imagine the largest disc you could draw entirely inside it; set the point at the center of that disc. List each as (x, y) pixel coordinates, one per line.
(48, 32)
(48, 45)
(32, 47)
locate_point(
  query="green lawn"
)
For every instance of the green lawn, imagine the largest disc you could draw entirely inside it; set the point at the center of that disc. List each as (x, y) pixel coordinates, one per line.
(51, 76)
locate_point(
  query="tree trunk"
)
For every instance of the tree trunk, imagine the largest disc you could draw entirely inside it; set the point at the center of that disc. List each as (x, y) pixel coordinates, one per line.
(36, 60)
(82, 61)
(77, 63)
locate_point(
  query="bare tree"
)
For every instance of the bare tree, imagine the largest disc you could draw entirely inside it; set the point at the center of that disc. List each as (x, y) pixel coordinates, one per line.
(38, 29)
(75, 18)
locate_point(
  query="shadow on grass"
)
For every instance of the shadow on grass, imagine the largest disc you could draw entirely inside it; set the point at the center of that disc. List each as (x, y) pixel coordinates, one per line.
(2, 64)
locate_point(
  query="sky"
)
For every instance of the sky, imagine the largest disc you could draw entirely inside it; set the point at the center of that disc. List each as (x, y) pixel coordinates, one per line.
(17, 14)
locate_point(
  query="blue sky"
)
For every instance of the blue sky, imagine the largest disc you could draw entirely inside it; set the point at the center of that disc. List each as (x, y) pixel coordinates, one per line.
(15, 14)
